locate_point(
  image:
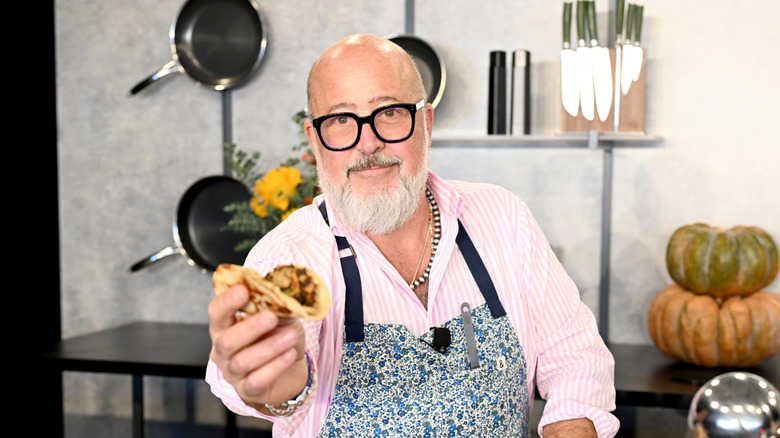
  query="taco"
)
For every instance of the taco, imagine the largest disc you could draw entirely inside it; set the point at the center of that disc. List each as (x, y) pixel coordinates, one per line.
(288, 290)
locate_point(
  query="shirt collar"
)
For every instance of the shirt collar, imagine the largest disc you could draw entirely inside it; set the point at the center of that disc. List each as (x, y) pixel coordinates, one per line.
(448, 198)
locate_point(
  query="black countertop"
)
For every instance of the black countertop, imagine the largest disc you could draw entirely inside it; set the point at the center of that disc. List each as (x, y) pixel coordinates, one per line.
(643, 375)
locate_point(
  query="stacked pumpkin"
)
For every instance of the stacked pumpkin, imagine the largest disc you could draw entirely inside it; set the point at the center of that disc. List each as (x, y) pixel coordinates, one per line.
(715, 313)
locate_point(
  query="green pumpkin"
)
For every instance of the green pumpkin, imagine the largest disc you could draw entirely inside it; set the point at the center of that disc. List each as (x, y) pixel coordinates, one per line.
(708, 260)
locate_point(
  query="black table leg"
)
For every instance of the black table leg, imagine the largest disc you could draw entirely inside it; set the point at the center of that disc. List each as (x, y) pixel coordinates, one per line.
(231, 430)
(138, 406)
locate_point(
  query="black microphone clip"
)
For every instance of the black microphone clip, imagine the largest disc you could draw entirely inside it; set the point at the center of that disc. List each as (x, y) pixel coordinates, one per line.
(441, 339)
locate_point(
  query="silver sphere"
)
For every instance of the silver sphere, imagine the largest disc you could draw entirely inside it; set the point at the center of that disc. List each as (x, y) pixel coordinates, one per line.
(735, 405)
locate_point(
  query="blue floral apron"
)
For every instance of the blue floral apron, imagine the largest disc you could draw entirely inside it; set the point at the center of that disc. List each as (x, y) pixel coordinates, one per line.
(394, 384)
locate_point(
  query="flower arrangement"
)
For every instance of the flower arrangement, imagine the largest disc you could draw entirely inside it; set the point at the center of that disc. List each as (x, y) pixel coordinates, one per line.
(273, 195)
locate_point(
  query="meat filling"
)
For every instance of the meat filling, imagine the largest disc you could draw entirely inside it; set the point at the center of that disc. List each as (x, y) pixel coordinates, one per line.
(294, 282)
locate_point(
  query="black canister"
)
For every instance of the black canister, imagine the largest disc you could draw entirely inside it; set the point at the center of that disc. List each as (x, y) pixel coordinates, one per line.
(497, 93)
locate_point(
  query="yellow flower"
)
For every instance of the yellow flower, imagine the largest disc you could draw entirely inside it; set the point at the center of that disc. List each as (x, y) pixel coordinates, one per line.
(259, 209)
(277, 186)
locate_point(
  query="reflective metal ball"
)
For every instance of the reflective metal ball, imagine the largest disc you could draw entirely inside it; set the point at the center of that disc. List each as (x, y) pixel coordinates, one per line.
(735, 405)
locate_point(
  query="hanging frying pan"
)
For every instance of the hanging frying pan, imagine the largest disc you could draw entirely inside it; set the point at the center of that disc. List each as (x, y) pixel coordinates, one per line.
(432, 70)
(198, 226)
(217, 43)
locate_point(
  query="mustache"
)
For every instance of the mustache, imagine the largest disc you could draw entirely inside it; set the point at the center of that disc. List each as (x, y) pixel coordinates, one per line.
(378, 160)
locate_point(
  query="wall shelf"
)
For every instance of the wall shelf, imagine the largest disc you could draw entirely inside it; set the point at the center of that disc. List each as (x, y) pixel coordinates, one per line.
(592, 139)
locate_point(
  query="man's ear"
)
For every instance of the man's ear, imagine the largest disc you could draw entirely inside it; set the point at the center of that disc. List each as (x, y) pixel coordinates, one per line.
(429, 116)
(311, 134)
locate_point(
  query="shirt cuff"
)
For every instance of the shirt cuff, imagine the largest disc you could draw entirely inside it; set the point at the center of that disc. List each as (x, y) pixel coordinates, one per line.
(605, 423)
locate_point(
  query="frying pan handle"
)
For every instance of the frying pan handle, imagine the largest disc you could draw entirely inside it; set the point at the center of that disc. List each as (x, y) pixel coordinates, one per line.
(171, 67)
(171, 250)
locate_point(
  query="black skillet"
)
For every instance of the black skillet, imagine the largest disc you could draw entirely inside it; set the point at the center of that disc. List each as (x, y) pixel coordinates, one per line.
(428, 62)
(217, 43)
(198, 232)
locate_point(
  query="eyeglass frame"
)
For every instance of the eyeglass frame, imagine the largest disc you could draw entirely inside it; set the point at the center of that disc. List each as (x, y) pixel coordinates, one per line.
(369, 119)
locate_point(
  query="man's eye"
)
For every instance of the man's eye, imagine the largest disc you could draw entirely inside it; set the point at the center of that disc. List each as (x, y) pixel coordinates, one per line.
(390, 113)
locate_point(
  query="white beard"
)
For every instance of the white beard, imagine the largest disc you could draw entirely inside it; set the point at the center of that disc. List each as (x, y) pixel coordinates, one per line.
(382, 211)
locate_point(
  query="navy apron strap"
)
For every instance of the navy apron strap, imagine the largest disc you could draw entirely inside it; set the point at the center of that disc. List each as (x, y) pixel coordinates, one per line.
(479, 272)
(324, 212)
(353, 300)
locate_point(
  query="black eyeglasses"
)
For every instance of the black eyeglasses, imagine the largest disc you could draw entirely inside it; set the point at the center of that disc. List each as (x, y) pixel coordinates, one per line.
(390, 123)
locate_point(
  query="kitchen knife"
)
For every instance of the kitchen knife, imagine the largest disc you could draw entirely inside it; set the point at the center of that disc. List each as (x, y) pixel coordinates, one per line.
(586, 70)
(570, 86)
(618, 64)
(638, 52)
(628, 52)
(602, 66)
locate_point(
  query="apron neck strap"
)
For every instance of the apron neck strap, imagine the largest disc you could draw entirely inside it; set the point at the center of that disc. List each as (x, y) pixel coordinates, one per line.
(353, 300)
(479, 272)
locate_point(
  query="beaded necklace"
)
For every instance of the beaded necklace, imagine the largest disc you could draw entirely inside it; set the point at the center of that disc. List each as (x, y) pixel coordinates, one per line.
(434, 233)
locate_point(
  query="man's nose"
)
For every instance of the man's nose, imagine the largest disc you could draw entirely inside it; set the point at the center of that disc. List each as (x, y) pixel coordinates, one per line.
(369, 143)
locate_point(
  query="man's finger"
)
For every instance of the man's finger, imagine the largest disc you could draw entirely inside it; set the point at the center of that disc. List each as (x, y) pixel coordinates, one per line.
(244, 333)
(258, 354)
(222, 308)
(263, 379)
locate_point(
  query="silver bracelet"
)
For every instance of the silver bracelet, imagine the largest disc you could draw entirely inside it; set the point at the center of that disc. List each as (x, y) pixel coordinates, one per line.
(287, 408)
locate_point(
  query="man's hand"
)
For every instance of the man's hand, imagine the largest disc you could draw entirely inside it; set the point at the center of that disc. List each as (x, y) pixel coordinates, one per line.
(262, 356)
(576, 428)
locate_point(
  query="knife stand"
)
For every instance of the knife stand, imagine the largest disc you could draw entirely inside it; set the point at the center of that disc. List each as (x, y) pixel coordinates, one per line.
(632, 107)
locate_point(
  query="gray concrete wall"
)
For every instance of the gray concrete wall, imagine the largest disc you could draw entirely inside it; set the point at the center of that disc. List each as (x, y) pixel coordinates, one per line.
(124, 162)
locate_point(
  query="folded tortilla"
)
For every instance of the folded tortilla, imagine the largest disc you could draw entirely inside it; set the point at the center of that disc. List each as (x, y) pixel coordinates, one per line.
(288, 290)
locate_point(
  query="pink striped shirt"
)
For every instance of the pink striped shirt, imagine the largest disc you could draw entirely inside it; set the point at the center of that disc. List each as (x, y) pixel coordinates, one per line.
(566, 357)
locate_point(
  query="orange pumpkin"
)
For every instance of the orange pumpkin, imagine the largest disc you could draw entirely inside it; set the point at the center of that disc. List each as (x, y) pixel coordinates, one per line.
(703, 330)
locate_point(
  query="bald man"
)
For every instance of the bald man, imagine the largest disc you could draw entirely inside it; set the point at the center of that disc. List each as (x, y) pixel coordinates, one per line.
(448, 306)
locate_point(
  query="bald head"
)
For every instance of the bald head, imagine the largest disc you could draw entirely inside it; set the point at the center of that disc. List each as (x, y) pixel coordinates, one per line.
(355, 59)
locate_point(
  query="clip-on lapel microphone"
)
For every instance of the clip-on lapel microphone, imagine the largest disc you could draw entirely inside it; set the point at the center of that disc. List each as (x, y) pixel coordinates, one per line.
(441, 339)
